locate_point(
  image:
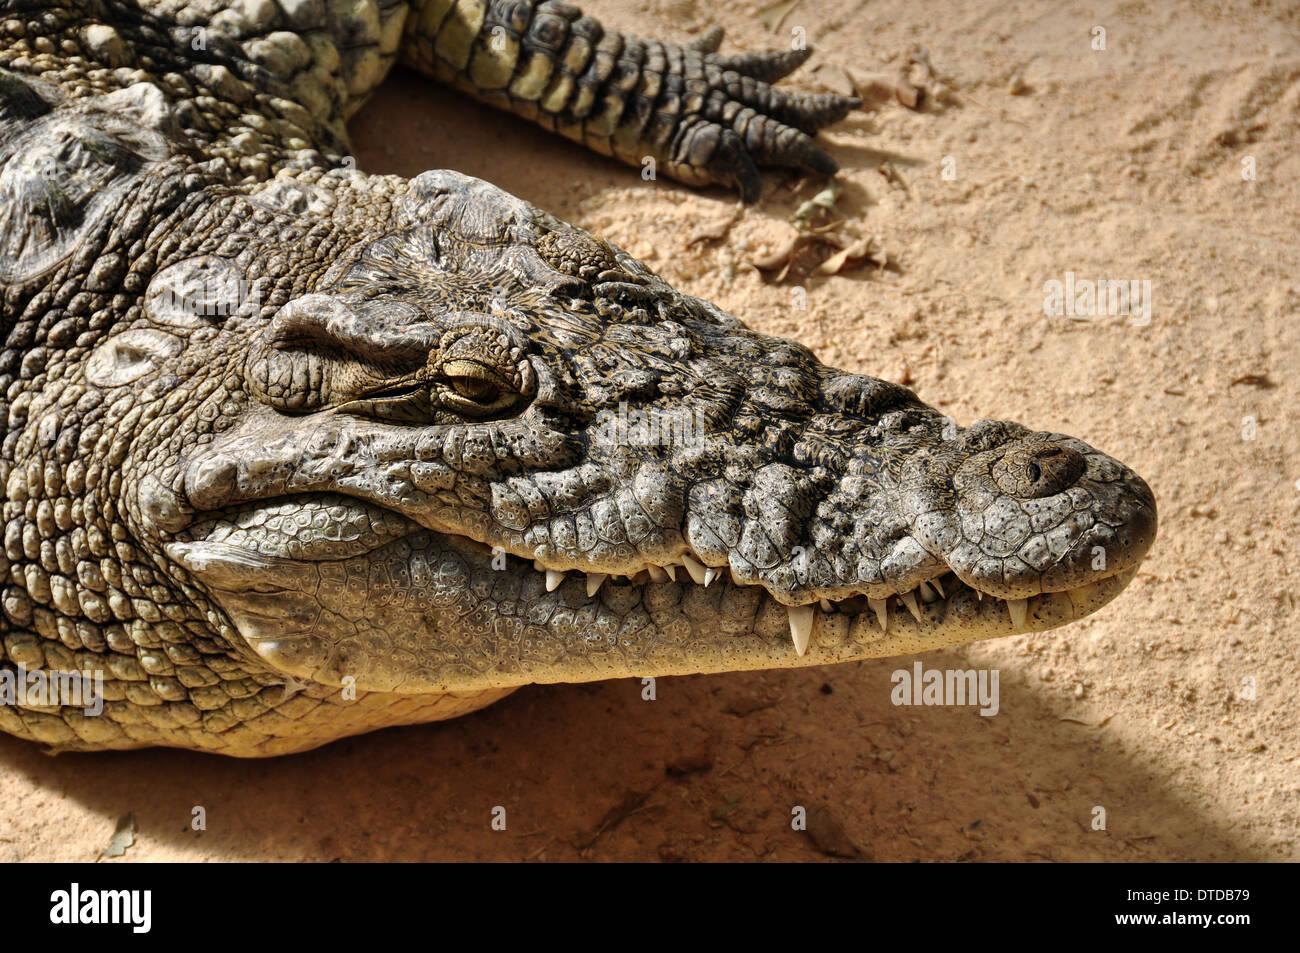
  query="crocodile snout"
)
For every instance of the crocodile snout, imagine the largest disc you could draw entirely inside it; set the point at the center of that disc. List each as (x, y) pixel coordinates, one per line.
(1047, 512)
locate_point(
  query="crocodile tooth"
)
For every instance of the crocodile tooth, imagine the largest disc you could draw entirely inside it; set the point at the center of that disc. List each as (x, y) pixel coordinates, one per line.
(979, 595)
(881, 609)
(553, 579)
(672, 572)
(710, 575)
(1019, 611)
(927, 593)
(657, 574)
(938, 588)
(801, 622)
(695, 569)
(909, 600)
(594, 581)
(827, 606)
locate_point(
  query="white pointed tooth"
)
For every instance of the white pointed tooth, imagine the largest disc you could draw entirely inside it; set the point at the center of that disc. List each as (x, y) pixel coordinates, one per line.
(594, 581)
(695, 569)
(657, 574)
(710, 575)
(979, 595)
(827, 606)
(1018, 609)
(553, 579)
(938, 588)
(927, 593)
(672, 572)
(881, 609)
(909, 600)
(801, 622)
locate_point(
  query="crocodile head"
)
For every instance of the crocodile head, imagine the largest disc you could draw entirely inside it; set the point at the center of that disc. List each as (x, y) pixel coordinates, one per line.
(486, 449)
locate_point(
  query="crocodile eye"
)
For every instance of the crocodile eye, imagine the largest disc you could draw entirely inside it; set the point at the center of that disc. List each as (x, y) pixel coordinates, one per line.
(474, 387)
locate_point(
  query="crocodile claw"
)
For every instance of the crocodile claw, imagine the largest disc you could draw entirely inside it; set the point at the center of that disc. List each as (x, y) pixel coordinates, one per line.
(746, 124)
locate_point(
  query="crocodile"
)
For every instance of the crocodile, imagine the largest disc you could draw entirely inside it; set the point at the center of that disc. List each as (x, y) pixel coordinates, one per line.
(295, 452)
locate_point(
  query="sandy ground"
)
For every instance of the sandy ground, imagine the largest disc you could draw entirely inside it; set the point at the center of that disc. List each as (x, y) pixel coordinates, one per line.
(1173, 709)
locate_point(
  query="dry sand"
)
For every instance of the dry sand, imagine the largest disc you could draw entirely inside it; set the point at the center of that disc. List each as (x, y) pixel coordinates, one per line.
(1125, 163)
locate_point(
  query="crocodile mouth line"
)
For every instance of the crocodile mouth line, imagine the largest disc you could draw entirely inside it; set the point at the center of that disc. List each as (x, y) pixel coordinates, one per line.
(304, 529)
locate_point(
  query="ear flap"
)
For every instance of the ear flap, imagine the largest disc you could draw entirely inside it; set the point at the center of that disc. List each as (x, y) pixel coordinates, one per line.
(125, 358)
(64, 170)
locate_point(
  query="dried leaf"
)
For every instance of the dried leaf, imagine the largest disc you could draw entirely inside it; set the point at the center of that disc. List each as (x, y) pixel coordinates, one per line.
(773, 16)
(855, 251)
(123, 837)
(780, 256)
(825, 199)
(832, 265)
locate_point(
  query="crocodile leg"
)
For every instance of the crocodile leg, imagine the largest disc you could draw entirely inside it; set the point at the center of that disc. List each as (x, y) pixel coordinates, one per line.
(702, 118)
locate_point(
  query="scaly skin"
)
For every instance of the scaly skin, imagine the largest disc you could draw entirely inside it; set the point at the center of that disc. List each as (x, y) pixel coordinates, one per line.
(703, 118)
(294, 452)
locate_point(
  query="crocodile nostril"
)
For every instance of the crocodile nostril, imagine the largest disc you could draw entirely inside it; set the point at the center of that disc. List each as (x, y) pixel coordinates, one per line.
(1031, 471)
